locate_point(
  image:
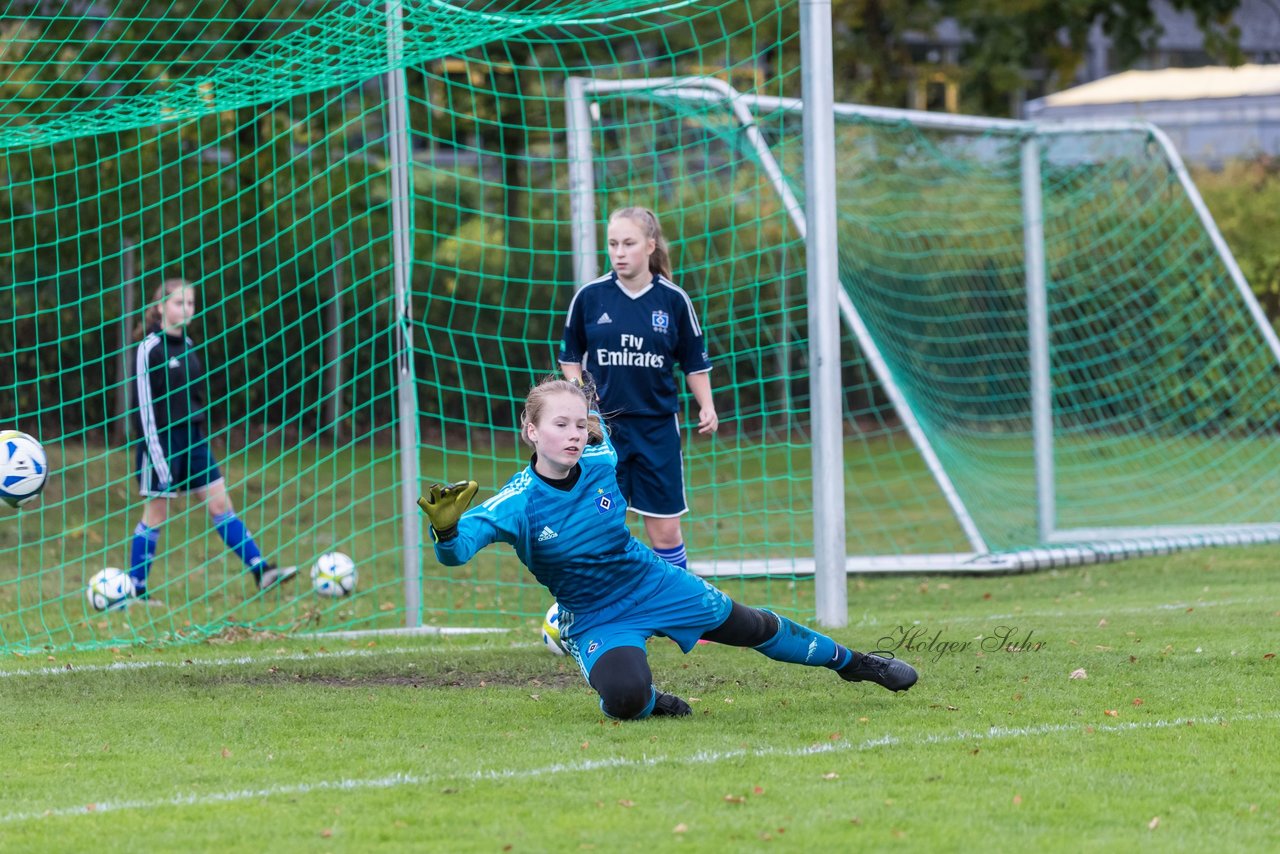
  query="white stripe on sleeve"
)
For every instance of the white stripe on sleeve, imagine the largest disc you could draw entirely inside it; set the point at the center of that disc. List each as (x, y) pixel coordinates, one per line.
(146, 409)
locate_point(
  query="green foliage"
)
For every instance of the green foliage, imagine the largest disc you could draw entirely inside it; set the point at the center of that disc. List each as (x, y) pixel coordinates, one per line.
(1244, 198)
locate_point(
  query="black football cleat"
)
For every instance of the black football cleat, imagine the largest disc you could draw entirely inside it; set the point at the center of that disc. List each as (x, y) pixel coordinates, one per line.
(891, 673)
(669, 705)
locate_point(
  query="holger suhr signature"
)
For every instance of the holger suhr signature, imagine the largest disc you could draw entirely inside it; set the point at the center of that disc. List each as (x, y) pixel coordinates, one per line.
(918, 639)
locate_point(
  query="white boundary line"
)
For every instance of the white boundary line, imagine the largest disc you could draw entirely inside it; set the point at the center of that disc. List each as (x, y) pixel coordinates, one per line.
(404, 778)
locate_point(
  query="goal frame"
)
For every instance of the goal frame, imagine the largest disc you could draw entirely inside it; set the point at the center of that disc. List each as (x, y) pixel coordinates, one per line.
(1058, 546)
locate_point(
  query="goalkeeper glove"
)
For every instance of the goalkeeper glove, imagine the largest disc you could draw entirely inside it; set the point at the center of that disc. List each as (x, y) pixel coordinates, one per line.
(444, 505)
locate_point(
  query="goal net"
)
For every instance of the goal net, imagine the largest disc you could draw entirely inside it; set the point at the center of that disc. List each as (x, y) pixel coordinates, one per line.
(1051, 356)
(384, 211)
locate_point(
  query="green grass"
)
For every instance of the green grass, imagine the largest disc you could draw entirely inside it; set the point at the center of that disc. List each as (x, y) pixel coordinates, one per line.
(480, 742)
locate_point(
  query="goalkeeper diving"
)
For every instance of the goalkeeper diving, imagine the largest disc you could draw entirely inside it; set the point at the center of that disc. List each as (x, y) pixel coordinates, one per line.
(566, 519)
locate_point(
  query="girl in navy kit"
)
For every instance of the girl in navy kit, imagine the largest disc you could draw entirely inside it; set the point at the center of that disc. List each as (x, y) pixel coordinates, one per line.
(631, 328)
(173, 455)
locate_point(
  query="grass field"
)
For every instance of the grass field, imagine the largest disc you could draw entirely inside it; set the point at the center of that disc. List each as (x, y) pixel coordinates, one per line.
(487, 743)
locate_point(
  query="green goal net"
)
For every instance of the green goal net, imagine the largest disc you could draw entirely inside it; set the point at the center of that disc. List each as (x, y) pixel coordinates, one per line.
(376, 203)
(298, 161)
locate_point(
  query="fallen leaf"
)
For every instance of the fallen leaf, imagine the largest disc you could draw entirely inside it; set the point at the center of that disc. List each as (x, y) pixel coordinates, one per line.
(326, 833)
(953, 708)
(1078, 673)
(1268, 656)
(1017, 800)
(584, 745)
(757, 790)
(1102, 624)
(226, 754)
(680, 828)
(1111, 713)
(1154, 823)
(735, 799)
(863, 720)
(831, 775)
(90, 807)
(1137, 701)
(623, 802)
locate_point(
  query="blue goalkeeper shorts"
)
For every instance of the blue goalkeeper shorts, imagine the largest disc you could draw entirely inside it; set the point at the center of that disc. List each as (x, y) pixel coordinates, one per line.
(673, 603)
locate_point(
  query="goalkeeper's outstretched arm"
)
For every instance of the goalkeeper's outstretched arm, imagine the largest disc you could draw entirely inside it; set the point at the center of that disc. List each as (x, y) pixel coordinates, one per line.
(456, 542)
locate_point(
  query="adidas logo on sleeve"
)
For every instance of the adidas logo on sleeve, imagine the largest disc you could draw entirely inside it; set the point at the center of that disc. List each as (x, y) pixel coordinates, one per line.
(547, 534)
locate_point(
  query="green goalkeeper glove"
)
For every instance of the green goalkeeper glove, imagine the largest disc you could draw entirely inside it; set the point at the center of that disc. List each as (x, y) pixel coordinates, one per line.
(444, 505)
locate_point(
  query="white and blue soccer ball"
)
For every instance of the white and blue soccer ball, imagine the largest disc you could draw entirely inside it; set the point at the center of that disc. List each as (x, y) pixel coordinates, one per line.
(108, 589)
(551, 630)
(23, 468)
(334, 575)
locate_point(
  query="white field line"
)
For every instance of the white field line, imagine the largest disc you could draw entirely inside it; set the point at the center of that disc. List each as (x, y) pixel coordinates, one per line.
(405, 778)
(237, 661)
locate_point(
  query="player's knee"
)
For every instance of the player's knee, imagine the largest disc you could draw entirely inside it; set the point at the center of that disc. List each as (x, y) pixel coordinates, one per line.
(626, 701)
(624, 682)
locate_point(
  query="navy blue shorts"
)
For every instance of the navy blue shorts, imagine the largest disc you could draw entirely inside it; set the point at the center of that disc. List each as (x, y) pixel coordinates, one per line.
(650, 463)
(185, 463)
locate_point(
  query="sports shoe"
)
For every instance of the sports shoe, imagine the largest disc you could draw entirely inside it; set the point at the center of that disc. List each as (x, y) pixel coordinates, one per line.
(273, 575)
(143, 598)
(892, 673)
(669, 705)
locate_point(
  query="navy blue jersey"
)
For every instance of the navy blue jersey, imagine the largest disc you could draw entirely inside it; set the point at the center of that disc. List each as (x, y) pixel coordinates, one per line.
(632, 342)
(168, 393)
(575, 542)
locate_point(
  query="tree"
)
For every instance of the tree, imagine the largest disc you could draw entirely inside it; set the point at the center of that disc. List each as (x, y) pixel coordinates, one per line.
(1010, 46)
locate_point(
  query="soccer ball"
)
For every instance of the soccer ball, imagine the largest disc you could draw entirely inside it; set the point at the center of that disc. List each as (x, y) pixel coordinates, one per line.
(334, 575)
(23, 468)
(551, 630)
(109, 588)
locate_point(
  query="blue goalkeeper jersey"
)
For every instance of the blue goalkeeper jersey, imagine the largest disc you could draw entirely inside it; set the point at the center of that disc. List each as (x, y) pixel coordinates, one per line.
(575, 542)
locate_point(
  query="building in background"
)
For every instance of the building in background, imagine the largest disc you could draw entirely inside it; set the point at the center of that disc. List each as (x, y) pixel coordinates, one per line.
(1211, 114)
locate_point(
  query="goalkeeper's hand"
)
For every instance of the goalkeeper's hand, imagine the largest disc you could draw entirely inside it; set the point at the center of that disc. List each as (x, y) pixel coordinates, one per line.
(444, 505)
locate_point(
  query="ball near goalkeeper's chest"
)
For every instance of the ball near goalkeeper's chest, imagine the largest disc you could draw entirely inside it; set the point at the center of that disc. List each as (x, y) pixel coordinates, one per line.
(551, 630)
(108, 589)
(23, 468)
(334, 575)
